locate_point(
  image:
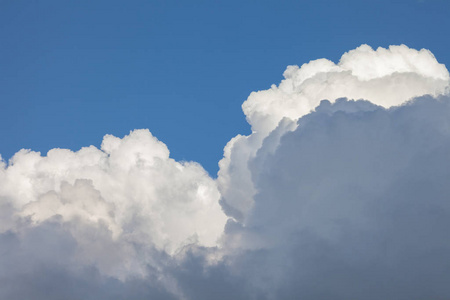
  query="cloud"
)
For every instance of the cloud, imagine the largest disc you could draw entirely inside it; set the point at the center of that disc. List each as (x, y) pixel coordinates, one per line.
(385, 77)
(129, 197)
(326, 199)
(39, 263)
(352, 204)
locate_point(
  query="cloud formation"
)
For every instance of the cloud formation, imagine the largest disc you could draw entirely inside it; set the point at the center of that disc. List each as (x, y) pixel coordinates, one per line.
(330, 197)
(353, 204)
(116, 204)
(385, 77)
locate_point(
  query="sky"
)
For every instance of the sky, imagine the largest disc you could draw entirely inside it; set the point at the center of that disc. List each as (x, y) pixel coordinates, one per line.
(239, 150)
(73, 71)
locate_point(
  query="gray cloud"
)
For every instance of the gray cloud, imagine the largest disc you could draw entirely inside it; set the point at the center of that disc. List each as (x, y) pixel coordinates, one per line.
(354, 204)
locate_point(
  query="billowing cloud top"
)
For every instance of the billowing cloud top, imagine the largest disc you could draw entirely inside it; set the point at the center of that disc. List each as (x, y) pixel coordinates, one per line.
(330, 197)
(385, 77)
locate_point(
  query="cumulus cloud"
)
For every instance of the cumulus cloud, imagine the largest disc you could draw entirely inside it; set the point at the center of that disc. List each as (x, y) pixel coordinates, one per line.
(108, 208)
(385, 77)
(353, 204)
(330, 197)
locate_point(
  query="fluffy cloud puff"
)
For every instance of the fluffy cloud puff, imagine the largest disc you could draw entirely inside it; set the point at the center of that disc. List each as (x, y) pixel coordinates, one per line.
(127, 196)
(385, 77)
(332, 199)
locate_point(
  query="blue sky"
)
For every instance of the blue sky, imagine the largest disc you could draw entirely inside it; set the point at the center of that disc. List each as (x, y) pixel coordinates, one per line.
(73, 71)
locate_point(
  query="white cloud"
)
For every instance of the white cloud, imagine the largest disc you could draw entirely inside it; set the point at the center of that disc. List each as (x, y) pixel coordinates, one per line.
(332, 199)
(385, 77)
(130, 188)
